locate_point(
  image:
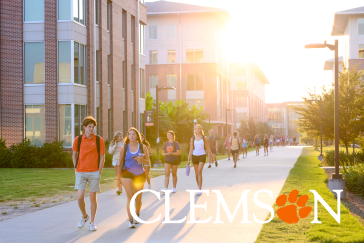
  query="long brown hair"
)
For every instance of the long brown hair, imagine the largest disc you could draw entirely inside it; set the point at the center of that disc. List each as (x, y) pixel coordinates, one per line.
(126, 139)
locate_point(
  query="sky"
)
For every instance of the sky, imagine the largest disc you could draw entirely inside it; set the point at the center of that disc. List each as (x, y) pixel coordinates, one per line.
(273, 34)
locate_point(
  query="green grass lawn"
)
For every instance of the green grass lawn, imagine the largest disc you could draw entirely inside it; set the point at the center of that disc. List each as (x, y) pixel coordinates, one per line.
(22, 184)
(305, 175)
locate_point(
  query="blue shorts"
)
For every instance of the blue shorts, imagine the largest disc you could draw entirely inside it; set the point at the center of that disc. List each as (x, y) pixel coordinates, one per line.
(244, 145)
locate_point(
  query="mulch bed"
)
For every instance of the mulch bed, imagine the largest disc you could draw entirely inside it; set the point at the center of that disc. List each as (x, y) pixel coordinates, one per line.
(353, 202)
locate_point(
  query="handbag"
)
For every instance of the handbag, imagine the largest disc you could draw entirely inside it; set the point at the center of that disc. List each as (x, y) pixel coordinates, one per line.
(187, 170)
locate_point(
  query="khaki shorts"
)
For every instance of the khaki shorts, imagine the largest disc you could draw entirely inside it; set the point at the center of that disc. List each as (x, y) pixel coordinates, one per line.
(93, 179)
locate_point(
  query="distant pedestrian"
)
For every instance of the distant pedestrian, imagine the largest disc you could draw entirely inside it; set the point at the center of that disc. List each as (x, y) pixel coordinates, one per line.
(199, 145)
(235, 147)
(146, 166)
(283, 140)
(88, 159)
(115, 146)
(294, 140)
(257, 144)
(278, 141)
(132, 157)
(271, 139)
(244, 146)
(227, 145)
(214, 145)
(171, 151)
(266, 142)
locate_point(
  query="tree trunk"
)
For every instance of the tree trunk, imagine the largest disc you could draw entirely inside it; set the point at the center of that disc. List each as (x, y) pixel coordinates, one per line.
(347, 149)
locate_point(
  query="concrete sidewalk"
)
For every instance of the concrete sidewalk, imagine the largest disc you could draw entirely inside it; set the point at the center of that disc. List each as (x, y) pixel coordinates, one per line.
(59, 223)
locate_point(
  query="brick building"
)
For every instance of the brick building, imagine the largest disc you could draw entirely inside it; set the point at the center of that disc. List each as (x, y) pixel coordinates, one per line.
(183, 50)
(62, 60)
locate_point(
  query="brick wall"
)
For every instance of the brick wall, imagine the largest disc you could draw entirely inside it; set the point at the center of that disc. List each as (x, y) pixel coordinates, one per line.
(50, 42)
(11, 71)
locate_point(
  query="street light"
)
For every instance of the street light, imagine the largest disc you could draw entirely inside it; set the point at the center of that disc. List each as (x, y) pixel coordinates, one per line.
(337, 181)
(321, 156)
(226, 119)
(157, 162)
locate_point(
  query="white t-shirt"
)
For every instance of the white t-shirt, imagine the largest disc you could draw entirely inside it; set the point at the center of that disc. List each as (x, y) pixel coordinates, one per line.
(115, 150)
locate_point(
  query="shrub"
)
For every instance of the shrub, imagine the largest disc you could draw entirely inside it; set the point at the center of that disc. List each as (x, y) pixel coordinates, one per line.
(5, 155)
(343, 157)
(108, 157)
(354, 177)
(52, 155)
(24, 155)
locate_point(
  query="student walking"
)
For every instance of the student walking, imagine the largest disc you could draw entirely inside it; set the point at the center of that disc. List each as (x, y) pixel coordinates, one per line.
(213, 143)
(227, 145)
(235, 147)
(266, 142)
(245, 146)
(132, 157)
(171, 150)
(271, 139)
(278, 141)
(146, 166)
(88, 160)
(294, 140)
(199, 145)
(115, 146)
(283, 140)
(257, 144)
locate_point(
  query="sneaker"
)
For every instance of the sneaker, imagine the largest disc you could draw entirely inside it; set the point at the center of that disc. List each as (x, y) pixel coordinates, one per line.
(93, 226)
(174, 190)
(228, 158)
(199, 193)
(164, 189)
(131, 223)
(209, 166)
(216, 163)
(82, 222)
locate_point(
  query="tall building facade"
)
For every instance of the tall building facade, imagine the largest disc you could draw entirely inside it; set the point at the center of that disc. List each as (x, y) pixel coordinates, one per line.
(350, 25)
(183, 50)
(62, 60)
(248, 92)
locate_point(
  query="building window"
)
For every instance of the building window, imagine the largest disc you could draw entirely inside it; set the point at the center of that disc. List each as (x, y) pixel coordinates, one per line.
(109, 69)
(79, 114)
(153, 57)
(109, 124)
(124, 25)
(241, 84)
(79, 58)
(194, 55)
(141, 38)
(98, 78)
(141, 1)
(197, 102)
(34, 63)
(241, 101)
(108, 15)
(142, 84)
(64, 10)
(153, 32)
(171, 32)
(132, 77)
(34, 10)
(124, 123)
(240, 70)
(361, 50)
(98, 121)
(65, 123)
(132, 119)
(79, 11)
(132, 27)
(124, 74)
(34, 124)
(361, 26)
(194, 81)
(141, 123)
(153, 81)
(241, 116)
(172, 80)
(171, 56)
(194, 32)
(64, 62)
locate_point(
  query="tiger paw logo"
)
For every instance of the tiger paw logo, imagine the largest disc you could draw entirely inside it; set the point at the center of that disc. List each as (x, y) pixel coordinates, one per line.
(288, 213)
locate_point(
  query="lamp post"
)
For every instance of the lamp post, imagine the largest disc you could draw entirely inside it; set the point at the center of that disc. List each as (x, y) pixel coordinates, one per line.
(226, 119)
(321, 156)
(157, 89)
(337, 181)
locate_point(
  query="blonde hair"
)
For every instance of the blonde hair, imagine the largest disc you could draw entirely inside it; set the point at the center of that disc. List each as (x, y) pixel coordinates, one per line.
(265, 135)
(115, 138)
(198, 125)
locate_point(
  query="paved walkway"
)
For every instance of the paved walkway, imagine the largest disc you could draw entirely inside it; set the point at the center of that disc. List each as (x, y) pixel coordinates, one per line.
(59, 223)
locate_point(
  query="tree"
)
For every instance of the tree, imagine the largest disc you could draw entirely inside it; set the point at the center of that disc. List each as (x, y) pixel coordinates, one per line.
(263, 128)
(351, 101)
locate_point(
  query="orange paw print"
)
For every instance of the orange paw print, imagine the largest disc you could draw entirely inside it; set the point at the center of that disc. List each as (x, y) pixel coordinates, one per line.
(288, 213)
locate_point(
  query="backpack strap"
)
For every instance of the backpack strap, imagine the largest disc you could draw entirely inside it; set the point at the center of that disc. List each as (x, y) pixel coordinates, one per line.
(123, 158)
(79, 140)
(98, 150)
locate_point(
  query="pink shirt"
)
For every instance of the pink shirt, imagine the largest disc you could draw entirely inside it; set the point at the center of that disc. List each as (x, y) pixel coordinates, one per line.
(227, 142)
